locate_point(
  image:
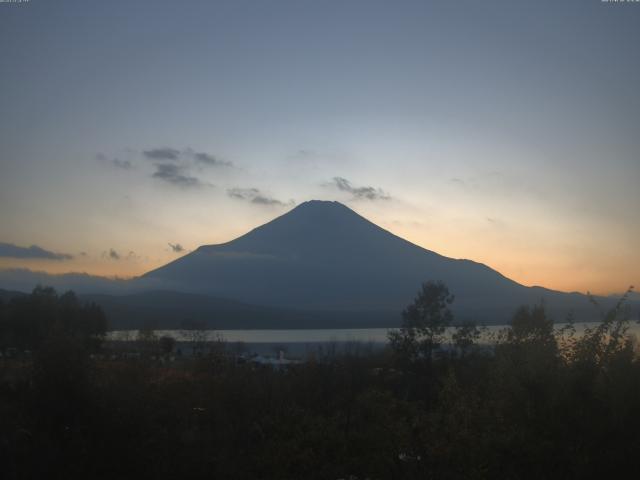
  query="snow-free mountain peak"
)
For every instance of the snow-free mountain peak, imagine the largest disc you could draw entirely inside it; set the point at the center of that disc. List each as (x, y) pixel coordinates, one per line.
(311, 226)
(324, 256)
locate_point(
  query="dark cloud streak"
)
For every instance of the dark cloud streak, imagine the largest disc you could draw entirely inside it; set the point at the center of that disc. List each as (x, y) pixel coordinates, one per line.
(174, 174)
(210, 160)
(176, 247)
(164, 153)
(367, 193)
(253, 195)
(174, 155)
(123, 164)
(10, 250)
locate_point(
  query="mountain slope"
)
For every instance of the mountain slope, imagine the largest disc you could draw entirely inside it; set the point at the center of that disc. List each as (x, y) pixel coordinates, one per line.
(168, 310)
(322, 255)
(7, 295)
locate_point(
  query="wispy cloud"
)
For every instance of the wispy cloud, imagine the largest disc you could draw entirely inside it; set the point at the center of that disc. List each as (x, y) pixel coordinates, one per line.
(10, 250)
(176, 166)
(133, 255)
(164, 153)
(176, 247)
(124, 164)
(176, 175)
(210, 160)
(175, 155)
(254, 195)
(367, 193)
(116, 162)
(113, 254)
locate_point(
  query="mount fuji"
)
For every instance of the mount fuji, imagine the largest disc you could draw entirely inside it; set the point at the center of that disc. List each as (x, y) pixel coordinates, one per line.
(323, 257)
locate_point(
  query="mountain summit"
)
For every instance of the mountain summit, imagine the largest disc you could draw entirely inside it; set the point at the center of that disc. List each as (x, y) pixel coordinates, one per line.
(324, 256)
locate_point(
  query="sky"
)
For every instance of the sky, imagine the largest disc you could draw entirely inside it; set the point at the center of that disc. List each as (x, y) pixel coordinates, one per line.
(506, 132)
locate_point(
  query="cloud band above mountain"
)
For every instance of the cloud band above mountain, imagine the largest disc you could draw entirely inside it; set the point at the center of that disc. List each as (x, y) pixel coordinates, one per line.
(367, 192)
(254, 195)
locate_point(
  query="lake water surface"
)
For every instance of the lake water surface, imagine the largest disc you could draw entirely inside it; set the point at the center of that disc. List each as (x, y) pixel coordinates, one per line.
(361, 335)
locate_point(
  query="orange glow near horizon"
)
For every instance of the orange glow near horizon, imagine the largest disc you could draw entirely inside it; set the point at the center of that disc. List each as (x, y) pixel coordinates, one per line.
(543, 265)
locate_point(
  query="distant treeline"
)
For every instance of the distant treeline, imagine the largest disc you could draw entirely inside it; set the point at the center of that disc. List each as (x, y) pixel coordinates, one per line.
(27, 322)
(542, 403)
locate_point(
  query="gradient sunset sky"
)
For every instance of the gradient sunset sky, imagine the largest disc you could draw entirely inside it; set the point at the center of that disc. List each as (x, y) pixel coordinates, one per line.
(507, 132)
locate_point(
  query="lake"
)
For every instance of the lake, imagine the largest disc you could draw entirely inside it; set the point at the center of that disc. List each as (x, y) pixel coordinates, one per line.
(301, 342)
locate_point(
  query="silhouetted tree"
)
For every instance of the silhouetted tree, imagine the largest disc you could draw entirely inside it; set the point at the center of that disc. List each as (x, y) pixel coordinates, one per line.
(531, 325)
(194, 332)
(528, 408)
(466, 336)
(147, 340)
(30, 320)
(424, 323)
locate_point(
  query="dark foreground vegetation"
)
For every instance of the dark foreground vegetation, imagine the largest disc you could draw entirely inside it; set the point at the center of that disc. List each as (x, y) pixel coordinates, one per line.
(540, 403)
